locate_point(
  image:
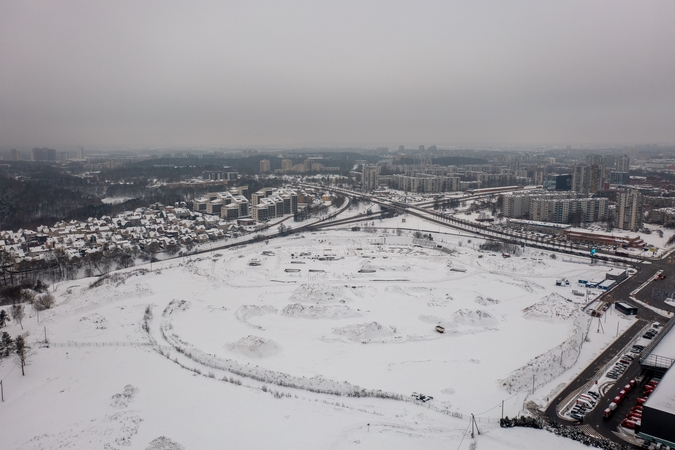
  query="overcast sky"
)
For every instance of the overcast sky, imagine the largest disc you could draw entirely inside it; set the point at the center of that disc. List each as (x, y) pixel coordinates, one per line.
(322, 73)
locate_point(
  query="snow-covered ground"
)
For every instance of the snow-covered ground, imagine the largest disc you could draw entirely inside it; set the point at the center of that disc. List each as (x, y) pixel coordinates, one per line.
(211, 352)
(115, 200)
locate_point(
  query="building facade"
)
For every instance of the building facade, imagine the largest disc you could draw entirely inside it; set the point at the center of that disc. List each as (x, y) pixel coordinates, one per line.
(630, 210)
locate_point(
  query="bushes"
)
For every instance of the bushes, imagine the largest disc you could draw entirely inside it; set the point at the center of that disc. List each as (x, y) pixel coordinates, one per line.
(44, 301)
(560, 430)
(501, 247)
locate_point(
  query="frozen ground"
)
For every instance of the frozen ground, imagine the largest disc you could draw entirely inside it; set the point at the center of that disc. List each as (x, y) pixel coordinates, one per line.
(225, 353)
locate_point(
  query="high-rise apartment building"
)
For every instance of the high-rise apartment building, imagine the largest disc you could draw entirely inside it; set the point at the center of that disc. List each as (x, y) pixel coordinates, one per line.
(630, 210)
(369, 177)
(623, 164)
(43, 154)
(580, 179)
(264, 166)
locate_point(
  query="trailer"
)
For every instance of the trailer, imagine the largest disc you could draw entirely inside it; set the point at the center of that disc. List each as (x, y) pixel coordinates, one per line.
(440, 329)
(625, 308)
(609, 410)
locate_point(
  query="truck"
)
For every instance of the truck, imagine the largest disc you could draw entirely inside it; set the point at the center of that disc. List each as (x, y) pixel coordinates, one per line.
(609, 410)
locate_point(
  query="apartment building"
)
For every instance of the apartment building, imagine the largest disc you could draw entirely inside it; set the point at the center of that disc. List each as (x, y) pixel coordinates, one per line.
(630, 210)
(425, 183)
(569, 210)
(269, 203)
(229, 205)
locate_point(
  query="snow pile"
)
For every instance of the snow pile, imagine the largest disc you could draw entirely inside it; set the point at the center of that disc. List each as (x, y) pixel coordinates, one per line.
(554, 308)
(464, 321)
(486, 300)
(123, 399)
(397, 290)
(93, 323)
(164, 443)
(364, 332)
(319, 311)
(244, 312)
(254, 347)
(513, 265)
(393, 265)
(474, 318)
(318, 293)
(177, 306)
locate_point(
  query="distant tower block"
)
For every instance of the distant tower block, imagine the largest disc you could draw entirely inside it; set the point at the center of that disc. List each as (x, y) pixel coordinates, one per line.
(80, 152)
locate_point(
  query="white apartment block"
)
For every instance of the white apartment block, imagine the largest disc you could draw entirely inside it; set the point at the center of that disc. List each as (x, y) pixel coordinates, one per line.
(569, 210)
(269, 203)
(229, 205)
(426, 183)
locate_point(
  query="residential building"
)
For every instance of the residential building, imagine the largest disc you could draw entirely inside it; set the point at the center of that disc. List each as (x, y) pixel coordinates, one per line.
(580, 179)
(623, 164)
(43, 154)
(630, 210)
(369, 177)
(619, 178)
(264, 166)
(516, 206)
(570, 210)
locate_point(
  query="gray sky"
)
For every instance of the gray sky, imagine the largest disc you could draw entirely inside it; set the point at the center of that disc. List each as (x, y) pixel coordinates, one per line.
(257, 73)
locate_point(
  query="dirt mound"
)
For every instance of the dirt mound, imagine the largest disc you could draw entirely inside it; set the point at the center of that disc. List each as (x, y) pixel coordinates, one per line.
(554, 308)
(176, 306)
(363, 332)
(317, 293)
(255, 347)
(319, 311)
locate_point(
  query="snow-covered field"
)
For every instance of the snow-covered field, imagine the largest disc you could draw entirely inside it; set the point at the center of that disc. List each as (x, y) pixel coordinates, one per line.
(331, 332)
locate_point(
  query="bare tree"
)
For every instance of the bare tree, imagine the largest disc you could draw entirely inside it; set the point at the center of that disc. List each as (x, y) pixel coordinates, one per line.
(18, 313)
(23, 353)
(44, 301)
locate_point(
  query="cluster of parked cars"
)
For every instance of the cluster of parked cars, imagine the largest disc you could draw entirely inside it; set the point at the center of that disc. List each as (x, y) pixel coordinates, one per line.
(650, 334)
(637, 349)
(620, 367)
(584, 403)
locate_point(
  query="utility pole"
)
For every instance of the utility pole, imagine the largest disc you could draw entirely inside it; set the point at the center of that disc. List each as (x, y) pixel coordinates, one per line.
(502, 409)
(532, 383)
(2, 391)
(472, 435)
(473, 422)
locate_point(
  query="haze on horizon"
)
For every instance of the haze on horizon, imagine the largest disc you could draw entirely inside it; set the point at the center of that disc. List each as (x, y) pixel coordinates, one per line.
(302, 73)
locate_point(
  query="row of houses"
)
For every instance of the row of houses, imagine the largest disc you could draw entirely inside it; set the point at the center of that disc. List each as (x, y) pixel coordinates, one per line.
(214, 216)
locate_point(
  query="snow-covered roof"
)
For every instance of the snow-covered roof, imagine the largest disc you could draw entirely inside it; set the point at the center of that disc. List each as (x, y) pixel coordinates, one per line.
(663, 397)
(666, 347)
